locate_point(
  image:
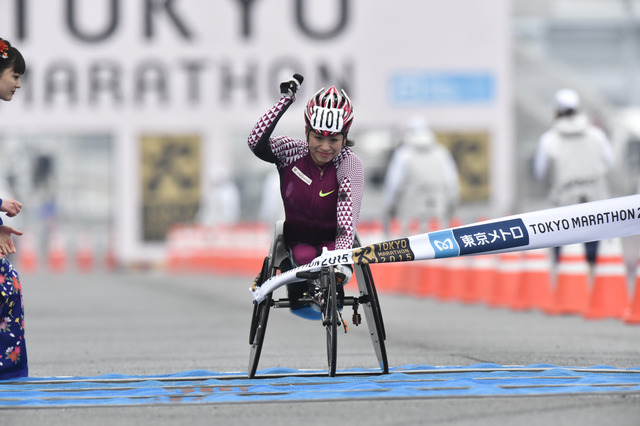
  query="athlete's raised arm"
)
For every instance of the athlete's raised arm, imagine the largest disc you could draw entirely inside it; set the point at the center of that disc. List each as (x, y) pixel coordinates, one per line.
(259, 138)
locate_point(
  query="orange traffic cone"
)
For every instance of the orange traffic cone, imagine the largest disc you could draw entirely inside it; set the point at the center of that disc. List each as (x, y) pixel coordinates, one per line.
(395, 228)
(508, 278)
(571, 294)
(408, 280)
(431, 276)
(534, 291)
(633, 315)
(434, 224)
(432, 270)
(409, 276)
(27, 254)
(386, 276)
(609, 297)
(369, 232)
(57, 255)
(84, 252)
(110, 255)
(482, 275)
(175, 254)
(456, 275)
(110, 259)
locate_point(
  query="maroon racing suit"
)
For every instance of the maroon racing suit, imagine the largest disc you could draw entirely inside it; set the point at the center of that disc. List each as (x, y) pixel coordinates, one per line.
(321, 206)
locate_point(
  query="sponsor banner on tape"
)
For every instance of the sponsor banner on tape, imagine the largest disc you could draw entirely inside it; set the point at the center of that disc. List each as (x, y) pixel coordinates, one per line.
(617, 217)
(579, 223)
(472, 239)
(482, 238)
(388, 251)
(444, 244)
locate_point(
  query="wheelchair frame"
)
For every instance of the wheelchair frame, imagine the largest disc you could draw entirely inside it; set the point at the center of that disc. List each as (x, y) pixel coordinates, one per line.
(367, 299)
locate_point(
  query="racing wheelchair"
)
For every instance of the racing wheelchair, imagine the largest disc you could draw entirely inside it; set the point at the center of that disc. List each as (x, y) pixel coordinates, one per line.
(323, 294)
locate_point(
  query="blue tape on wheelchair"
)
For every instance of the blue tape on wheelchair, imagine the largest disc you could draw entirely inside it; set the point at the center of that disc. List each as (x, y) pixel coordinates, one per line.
(411, 381)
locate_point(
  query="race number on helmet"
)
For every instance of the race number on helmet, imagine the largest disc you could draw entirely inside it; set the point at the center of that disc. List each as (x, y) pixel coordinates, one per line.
(329, 112)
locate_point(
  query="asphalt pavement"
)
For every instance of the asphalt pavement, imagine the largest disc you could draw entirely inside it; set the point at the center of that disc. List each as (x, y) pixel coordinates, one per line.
(154, 323)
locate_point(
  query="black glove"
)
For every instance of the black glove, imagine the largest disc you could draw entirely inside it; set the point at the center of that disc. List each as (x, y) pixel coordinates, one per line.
(291, 86)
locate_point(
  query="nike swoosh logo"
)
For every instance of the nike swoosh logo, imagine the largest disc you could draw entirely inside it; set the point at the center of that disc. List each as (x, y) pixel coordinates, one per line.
(323, 194)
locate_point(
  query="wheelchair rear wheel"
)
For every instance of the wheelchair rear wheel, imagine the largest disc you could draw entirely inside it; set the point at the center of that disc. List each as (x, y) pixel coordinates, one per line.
(373, 314)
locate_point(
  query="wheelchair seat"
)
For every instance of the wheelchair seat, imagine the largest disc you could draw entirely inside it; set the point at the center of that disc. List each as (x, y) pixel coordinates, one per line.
(281, 257)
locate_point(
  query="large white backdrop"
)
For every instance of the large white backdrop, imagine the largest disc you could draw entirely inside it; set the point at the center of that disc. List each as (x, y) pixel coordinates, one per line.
(206, 70)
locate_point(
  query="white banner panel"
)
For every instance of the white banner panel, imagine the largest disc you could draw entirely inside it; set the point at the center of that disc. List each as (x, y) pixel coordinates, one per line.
(211, 68)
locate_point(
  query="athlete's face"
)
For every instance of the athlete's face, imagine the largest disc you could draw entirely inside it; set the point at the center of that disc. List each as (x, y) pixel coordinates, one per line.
(9, 83)
(323, 149)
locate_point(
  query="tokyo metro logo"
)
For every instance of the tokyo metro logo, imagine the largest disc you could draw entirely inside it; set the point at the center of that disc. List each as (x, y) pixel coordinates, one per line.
(444, 244)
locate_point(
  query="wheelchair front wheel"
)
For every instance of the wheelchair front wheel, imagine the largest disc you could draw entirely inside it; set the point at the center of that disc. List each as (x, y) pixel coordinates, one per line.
(330, 317)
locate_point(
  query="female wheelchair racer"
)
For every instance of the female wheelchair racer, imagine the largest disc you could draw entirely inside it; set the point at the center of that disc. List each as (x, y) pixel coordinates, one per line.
(321, 181)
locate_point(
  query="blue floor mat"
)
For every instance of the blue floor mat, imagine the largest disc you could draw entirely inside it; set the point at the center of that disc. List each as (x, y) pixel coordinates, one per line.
(278, 384)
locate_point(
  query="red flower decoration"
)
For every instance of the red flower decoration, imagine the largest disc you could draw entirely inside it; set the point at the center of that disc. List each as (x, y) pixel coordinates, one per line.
(16, 284)
(4, 49)
(15, 354)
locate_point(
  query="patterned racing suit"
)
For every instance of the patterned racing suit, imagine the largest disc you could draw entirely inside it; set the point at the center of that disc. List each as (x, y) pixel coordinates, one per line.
(322, 206)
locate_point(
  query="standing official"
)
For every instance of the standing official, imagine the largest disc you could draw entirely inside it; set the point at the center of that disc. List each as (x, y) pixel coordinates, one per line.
(575, 158)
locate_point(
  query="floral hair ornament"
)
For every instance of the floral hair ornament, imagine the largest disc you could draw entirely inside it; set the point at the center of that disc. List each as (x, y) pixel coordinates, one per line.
(4, 49)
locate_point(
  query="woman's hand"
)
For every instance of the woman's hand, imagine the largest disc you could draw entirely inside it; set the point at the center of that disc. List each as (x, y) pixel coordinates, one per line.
(12, 207)
(290, 87)
(6, 242)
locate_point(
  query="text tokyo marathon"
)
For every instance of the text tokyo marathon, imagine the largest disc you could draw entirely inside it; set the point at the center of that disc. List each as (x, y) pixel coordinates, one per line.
(583, 221)
(190, 82)
(152, 16)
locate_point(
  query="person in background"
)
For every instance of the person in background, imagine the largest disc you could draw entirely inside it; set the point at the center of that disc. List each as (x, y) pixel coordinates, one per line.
(631, 252)
(13, 350)
(271, 207)
(575, 158)
(421, 182)
(321, 179)
(221, 200)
